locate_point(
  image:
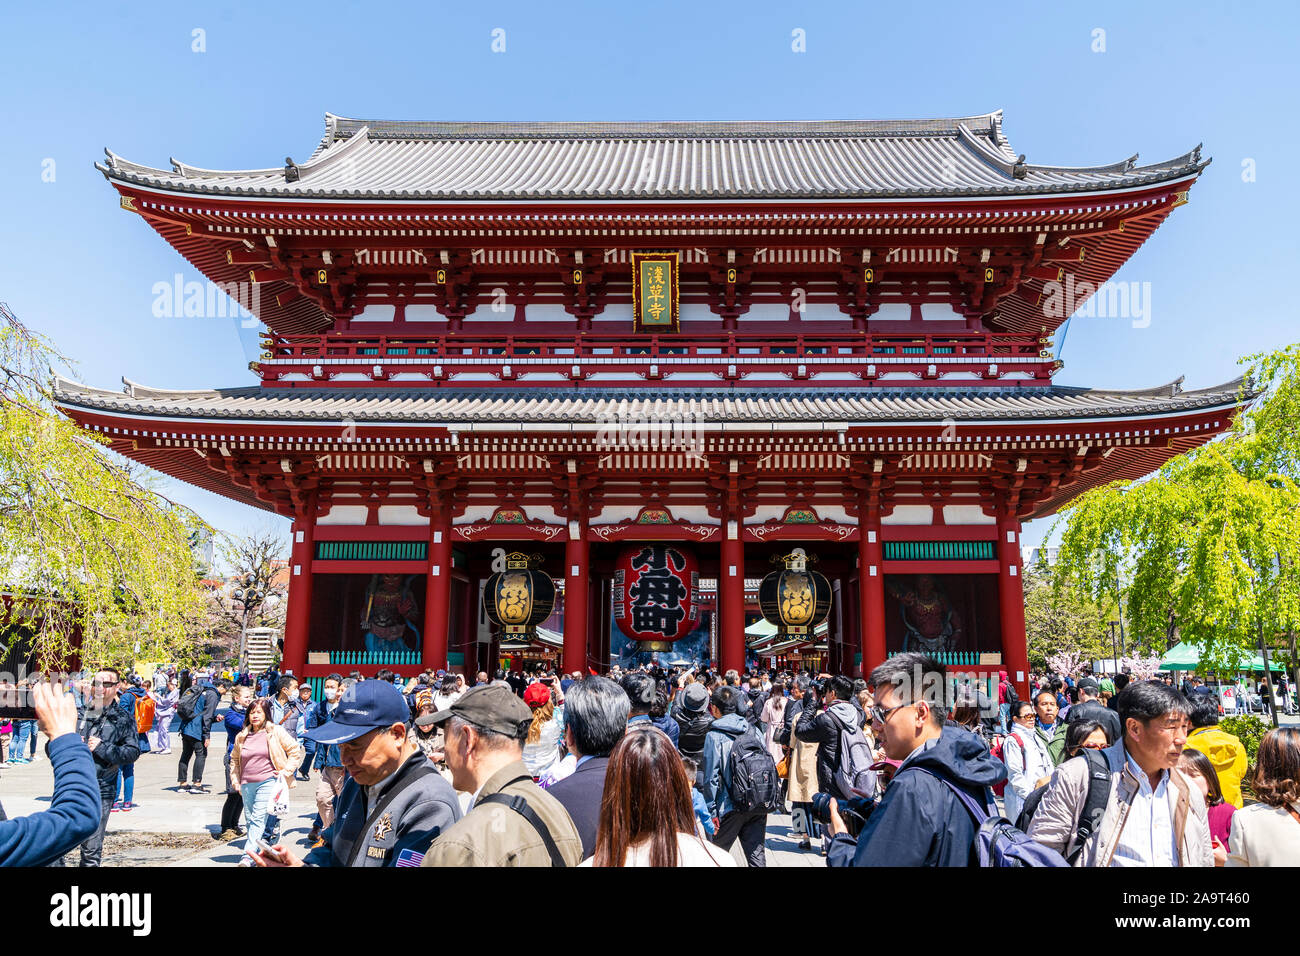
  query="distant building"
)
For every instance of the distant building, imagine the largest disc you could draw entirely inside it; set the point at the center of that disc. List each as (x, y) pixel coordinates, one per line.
(201, 544)
(1046, 555)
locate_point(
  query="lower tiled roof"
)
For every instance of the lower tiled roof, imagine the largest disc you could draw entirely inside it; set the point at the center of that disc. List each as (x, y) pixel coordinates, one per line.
(564, 407)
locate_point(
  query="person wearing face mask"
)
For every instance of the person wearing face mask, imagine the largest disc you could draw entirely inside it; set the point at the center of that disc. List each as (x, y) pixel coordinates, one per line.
(328, 760)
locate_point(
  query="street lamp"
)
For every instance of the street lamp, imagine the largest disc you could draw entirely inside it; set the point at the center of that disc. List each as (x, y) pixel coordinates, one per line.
(1114, 655)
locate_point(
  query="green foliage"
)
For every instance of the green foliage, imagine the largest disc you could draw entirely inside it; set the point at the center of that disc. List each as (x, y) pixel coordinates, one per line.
(1247, 728)
(1060, 618)
(102, 561)
(1210, 545)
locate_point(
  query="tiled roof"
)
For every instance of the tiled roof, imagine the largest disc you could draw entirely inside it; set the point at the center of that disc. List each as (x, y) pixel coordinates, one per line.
(383, 160)
(497, 408)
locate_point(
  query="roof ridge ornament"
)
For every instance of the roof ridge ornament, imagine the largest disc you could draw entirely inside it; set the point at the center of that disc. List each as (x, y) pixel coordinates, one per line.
(291, 173)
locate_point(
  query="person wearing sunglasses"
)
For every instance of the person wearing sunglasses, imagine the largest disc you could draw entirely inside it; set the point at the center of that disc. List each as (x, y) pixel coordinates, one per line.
(920, 821)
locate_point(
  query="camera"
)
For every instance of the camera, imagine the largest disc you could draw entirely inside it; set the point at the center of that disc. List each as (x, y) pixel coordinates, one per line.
(853, 812)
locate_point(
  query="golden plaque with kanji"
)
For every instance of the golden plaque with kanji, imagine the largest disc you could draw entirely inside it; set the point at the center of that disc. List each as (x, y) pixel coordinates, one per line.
(654, 291)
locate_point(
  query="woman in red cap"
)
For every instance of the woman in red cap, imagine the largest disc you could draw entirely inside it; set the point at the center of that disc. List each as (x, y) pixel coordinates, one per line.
(542, 749)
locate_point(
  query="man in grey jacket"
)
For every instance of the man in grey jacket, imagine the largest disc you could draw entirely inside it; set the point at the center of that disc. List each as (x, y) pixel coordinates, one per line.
(1154, 815)
(393, 800)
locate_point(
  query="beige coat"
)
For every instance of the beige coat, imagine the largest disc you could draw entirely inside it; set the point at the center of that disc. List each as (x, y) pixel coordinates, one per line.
(802, 768)
(1055, 824)
(286, 753)
(1264, 836)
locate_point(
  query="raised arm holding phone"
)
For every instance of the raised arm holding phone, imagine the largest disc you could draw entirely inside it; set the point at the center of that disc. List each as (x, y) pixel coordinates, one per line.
(74, 813)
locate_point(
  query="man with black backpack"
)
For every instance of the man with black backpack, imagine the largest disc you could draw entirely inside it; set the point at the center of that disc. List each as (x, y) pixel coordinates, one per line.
(829, 728)
(740, 783)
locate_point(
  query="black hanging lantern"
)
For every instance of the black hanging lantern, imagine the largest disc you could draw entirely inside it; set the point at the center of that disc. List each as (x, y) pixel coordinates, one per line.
(795, 599)
(520, 597)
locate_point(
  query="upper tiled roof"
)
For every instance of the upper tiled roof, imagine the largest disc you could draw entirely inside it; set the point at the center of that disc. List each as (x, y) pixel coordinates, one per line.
(496, 408)
(848, 159)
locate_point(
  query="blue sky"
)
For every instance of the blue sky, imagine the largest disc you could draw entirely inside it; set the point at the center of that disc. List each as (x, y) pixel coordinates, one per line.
(87, 75)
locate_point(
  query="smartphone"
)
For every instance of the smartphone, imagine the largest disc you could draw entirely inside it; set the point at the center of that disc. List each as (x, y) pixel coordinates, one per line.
(268, 850)
(16, 704)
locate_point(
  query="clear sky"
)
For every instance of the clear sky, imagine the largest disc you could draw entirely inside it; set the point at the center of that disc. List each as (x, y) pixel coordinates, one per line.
(77, 77)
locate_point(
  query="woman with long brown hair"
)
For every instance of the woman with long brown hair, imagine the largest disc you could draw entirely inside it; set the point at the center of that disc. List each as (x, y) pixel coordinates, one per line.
(646, 818)
(1268, 833)
(542, 749)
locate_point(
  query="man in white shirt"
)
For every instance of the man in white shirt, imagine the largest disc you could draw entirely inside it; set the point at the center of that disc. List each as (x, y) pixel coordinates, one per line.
(1154, 814)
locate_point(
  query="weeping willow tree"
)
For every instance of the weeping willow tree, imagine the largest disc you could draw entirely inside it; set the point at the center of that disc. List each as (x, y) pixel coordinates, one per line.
(1209, 546)
(94, 560)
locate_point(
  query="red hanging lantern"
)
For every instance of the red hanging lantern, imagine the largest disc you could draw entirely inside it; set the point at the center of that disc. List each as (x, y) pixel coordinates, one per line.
(656, 594)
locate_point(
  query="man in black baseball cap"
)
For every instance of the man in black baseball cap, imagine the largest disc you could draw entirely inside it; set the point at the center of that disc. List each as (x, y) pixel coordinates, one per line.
(394, 799)
(512, 821)
(1090, 707)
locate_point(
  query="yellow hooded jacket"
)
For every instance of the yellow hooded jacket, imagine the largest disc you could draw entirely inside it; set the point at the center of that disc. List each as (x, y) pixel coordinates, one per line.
(1227, 754)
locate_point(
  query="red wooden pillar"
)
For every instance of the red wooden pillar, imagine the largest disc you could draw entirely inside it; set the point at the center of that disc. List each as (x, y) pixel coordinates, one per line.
(871, 587)
(1011, 601)
(297, 614)
(467, 637)
(437, 598)
(576, 599)
(731, 599)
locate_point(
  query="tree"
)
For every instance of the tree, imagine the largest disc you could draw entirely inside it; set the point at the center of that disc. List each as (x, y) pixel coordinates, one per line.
(258, 597)
(1061, 618)
(101, 559)
(1209, 546)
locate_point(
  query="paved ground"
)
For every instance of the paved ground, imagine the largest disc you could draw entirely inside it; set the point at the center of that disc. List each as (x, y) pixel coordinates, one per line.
(171, 828)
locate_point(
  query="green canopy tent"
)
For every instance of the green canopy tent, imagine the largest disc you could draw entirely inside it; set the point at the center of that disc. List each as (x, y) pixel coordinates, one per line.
(1187, 656)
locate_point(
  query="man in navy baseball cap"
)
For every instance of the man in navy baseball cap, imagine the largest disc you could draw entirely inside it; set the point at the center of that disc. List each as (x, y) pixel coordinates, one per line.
(365, 706)
(393, 800)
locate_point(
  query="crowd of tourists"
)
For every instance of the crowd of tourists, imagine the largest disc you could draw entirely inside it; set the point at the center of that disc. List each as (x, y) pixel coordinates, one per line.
(673, 767)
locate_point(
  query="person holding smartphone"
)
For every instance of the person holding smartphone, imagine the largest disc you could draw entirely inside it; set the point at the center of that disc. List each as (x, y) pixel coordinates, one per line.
(76, 808)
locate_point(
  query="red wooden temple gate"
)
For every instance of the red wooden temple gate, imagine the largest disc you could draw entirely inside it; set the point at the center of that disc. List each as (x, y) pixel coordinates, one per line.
(850, 353)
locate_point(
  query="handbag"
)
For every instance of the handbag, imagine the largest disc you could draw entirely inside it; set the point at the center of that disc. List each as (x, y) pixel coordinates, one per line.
(783, 767)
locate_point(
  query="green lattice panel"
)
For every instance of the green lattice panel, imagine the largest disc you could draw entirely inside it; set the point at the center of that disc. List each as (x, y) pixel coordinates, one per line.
(371, 550)
(939, 551)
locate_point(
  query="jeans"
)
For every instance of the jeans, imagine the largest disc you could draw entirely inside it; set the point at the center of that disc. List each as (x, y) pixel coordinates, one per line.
(257, 802)
(199, 750)
(751, 828)
(93, 849)
(126, 782)
(24, 730)
(1004, 711)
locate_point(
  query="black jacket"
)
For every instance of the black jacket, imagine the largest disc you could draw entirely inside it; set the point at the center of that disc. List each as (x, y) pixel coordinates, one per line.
(920, 821)
(821, 728)
(119, 744)
(1096, 710)
(580, 793)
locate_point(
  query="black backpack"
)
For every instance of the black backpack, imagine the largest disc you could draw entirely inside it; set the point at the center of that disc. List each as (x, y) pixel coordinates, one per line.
(754, 782)
(185, 706)
(1094, 806)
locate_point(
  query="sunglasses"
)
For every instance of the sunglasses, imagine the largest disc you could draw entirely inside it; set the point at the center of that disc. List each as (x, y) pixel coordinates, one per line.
(882, 714)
